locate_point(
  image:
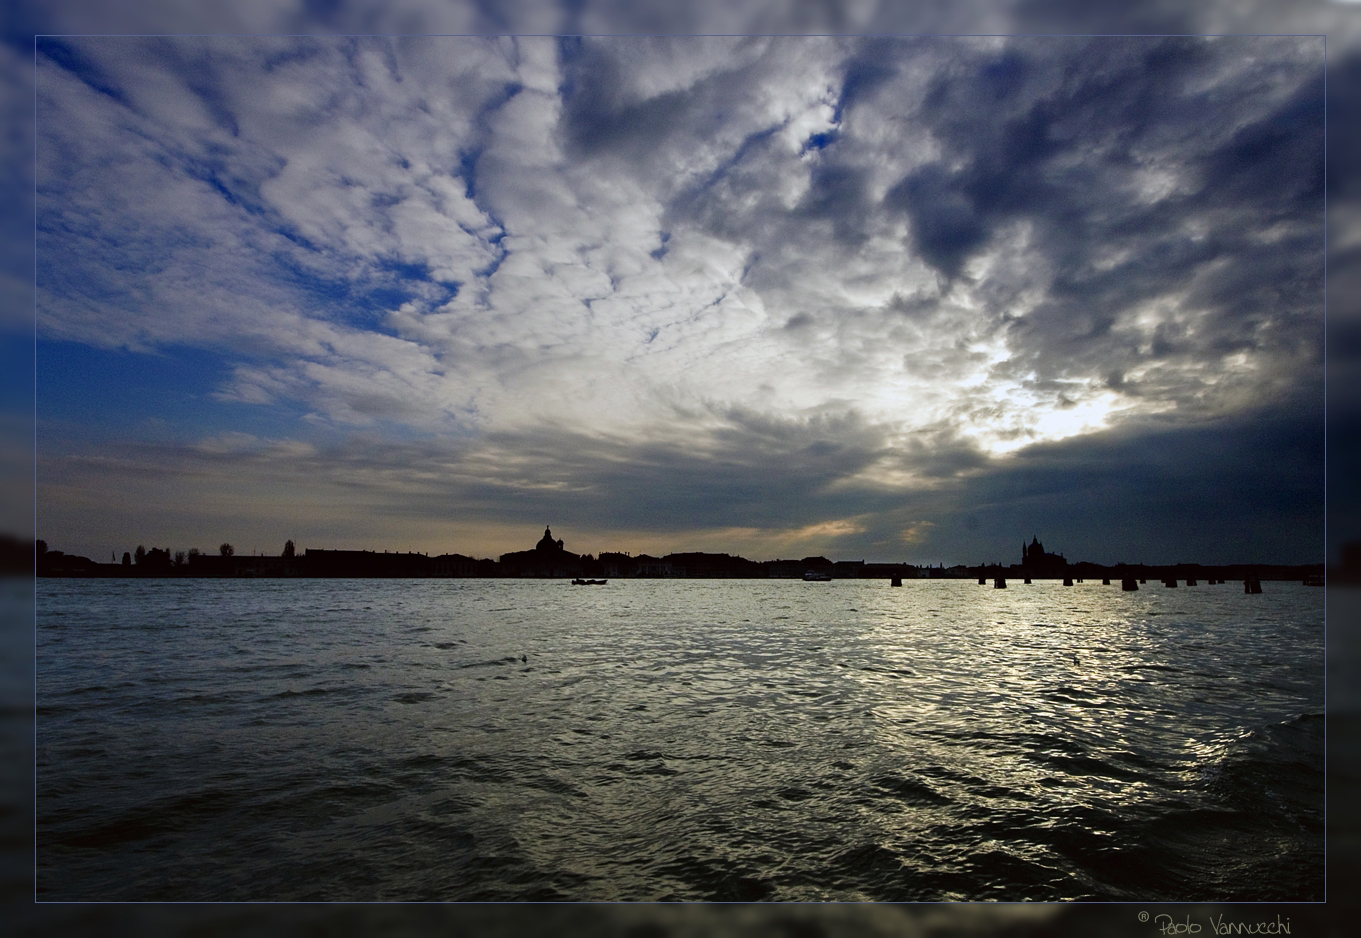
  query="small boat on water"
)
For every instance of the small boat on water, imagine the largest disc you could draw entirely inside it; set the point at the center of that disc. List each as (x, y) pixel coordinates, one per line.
(580, 582)
(812, 576)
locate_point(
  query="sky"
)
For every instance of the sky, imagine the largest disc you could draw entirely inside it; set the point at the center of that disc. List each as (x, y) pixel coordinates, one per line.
(869, 297)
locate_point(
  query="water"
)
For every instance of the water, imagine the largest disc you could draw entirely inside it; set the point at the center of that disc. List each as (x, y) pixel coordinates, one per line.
(652, 740)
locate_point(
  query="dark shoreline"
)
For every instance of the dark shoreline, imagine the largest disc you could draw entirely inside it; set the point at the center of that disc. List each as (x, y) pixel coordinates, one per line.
(550, 561)
(419, 567)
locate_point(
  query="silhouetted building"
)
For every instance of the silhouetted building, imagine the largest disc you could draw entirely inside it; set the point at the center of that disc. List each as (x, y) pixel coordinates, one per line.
(648, 566)
(696, 564)
(548, 559)
(785, 569)
(346, 563)
(458, 565)
(615, 564)
(1036, 563)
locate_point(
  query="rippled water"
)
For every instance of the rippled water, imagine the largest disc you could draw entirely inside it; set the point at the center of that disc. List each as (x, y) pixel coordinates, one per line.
(729, 739)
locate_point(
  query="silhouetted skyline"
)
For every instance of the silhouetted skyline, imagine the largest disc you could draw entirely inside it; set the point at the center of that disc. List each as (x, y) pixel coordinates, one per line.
(550, 559)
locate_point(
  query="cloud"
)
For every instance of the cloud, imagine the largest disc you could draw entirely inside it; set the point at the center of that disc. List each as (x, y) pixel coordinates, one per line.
(838, 268)
(759, 488)
(1143, 493)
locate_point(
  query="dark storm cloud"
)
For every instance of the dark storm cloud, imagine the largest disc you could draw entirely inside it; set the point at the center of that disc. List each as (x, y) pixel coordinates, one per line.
(1144, 494)
(1071, 138)
(753, 472)
(838, 193)
(1274, 163)
(946, 225)
(865, 73)
(1057, 134)
(1049, 131)
(599, 116)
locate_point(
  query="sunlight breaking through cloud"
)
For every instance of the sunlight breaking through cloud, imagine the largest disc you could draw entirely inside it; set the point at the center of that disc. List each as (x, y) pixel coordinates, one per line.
(914, 257)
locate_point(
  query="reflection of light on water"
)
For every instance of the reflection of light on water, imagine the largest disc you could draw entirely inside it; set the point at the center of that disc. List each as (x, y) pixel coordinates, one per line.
(1020, 704)
(838, 740)
(1060, 698)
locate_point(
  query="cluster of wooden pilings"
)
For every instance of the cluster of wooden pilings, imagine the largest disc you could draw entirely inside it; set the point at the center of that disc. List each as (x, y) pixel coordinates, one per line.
(1129, 584)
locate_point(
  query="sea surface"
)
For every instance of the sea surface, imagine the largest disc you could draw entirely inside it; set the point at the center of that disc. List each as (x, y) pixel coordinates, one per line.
(677, 740)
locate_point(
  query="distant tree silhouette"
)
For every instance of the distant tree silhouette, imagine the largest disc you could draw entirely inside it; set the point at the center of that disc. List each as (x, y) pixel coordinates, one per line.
(140, 555)
(289, 549)
(225, 549)
(127, 559)
(193, 552)
(180, 558)
(41, 546)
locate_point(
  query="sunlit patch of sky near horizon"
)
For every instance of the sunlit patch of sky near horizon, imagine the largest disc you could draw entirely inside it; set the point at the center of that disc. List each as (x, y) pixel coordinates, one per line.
(904, 299)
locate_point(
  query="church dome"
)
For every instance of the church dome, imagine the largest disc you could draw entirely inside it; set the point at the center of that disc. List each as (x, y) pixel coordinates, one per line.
(546, 543)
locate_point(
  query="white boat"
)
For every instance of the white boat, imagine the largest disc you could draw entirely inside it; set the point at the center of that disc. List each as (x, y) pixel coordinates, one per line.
(813, 576)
